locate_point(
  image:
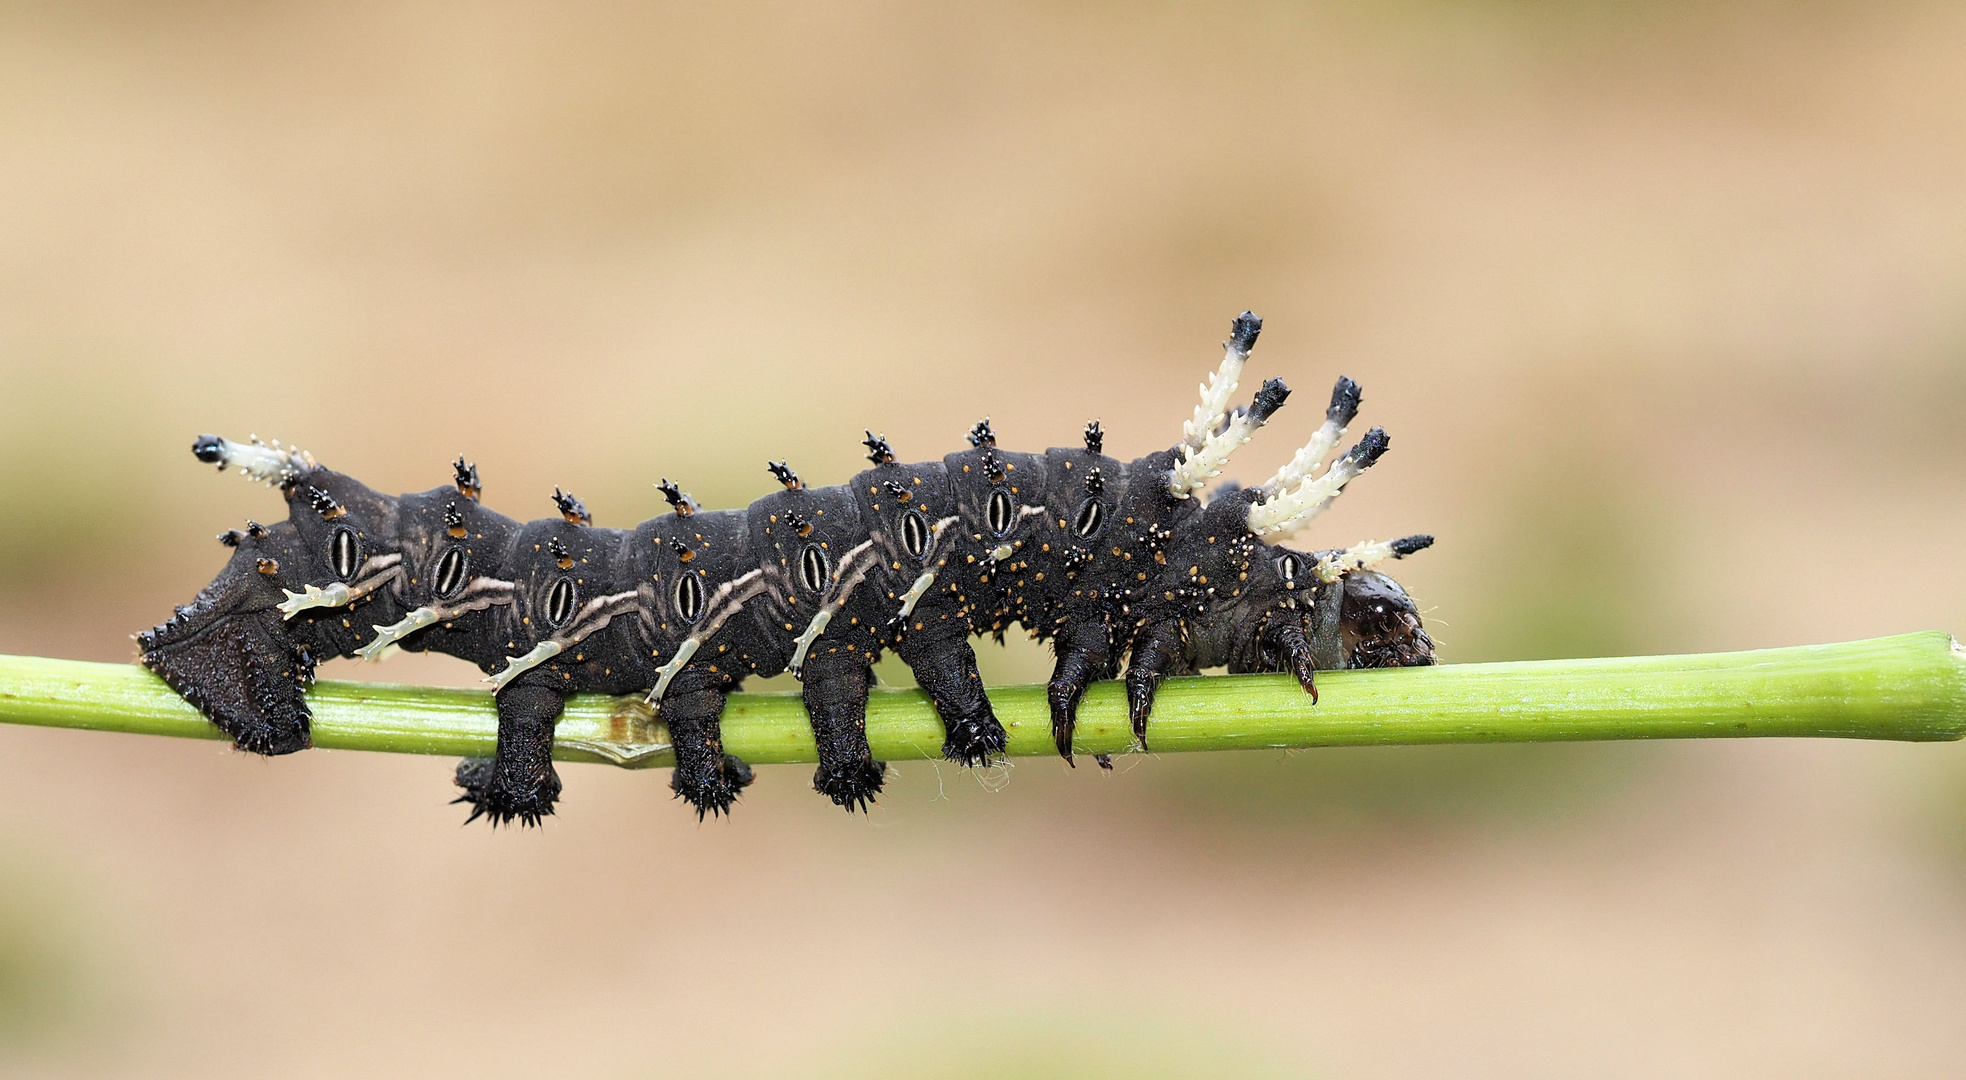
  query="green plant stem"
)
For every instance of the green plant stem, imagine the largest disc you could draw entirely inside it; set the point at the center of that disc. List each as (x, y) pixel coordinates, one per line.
(1910, 687)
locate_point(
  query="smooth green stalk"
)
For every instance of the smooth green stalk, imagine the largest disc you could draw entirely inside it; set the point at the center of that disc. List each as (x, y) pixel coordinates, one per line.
(1911, 687)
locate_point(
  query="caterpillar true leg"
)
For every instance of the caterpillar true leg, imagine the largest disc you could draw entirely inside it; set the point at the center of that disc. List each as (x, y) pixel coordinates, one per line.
(520, 782)
(1156, 653)
(1085, 655)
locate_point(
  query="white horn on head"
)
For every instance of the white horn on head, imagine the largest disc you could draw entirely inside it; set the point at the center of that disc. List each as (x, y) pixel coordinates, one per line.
(1344, 406)
(1295, 508)
(1336, 564)
(1200, 465)
(1221, 386)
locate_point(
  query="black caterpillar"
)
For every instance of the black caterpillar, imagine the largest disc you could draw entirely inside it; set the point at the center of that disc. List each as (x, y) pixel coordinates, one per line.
(1102, 558)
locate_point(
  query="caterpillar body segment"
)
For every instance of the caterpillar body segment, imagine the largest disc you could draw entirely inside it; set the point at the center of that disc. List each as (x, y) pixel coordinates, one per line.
(1121, 566)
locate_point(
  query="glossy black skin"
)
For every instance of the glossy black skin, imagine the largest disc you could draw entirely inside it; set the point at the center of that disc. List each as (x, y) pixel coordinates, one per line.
(1164, 585)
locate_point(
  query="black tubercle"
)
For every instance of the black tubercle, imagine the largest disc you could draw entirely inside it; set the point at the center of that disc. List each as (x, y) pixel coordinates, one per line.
(1095, 438)
(1268, 400)
(466, 478)
(784, 475)
(1095, 480)
(1242, 334)
(878, 450)
(981, 434)
(572, 509)
(1407, 545)
(562, 557)
(324, 504)
(209, 449)
(453, 520)
(897, 490)
(1371, 448)
(678, 499)
(1345, 398)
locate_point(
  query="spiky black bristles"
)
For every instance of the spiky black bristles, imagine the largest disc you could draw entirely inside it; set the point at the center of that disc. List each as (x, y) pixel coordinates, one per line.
(783, 474)
(981, 434)
(559, 552)
(682, 550)
(1242, 335)
(1371, 448)
(453, 519)
(1095, 481)
(231, 537)
(878, 450)
(992, 465)
(1345, 398)
(466, 478)
(1095, 438)
(324, 504)
(1268, 400)
(571, 508)
(678, 499)
(797, 523)
(1407, 545)
(897, 490)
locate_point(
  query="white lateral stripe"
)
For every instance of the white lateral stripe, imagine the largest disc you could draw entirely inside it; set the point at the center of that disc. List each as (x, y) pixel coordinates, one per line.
(676, 663)
(312, 596)
(812, 632)
(752, 584)
(380, 571)
(516, 666)
(1307, 460)
(396, 631)
(916, 592)
(847, 577)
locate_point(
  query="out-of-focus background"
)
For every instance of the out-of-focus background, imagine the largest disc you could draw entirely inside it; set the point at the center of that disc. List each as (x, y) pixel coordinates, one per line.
(1664, 306)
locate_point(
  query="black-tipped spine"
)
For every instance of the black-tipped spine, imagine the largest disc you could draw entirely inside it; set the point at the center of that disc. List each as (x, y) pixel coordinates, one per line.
(1242, 334)
(571, 508)
(1345, 397)
(1268, 400)
(1407, 545)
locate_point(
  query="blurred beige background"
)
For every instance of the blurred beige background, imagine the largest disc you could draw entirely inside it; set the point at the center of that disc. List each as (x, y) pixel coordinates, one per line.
(1664, 306)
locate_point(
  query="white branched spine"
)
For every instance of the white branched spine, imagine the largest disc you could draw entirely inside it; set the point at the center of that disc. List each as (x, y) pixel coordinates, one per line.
(1296, 508)
(256, 460)
(1309, 459)
(1215, 397)
(1201, 465)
